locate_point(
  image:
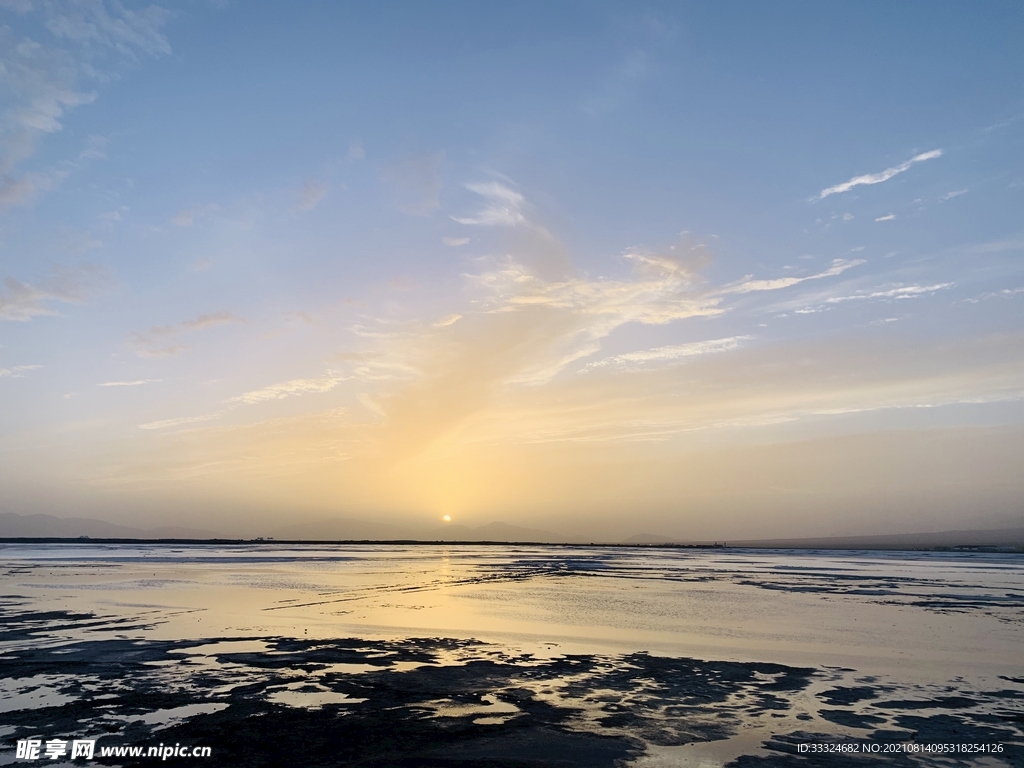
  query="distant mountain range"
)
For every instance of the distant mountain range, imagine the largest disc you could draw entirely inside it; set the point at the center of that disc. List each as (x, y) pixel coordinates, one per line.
(1000, 537)
(340, 529)
(39, 526)
(348, 529)
(332, 529)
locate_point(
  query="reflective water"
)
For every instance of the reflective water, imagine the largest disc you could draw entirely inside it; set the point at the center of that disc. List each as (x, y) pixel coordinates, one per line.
(874, 643)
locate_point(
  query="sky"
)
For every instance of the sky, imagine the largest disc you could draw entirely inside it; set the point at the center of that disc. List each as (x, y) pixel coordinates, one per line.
(702, 270)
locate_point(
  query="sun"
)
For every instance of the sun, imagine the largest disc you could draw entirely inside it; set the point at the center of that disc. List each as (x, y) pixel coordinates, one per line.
(447, 518)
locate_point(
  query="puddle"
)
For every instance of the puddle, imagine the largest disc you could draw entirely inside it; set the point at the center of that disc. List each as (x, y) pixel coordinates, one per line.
(704, 754)
(165, 718)
(228, 646)
(308, 696)
(32, 693)
(492, 711)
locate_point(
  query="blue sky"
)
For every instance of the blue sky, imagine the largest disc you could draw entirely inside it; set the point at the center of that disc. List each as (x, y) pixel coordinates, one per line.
(695, 268)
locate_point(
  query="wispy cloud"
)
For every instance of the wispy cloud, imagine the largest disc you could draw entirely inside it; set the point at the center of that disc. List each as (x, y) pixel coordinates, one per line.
(520, 332)
(16, 6)
(957, 193)
(454, 241)
(520, 329)
(367, 401)
(18, 371)
(179, 421)
(900, 292)
(136, 383)
(312, 192)
(1005, 293)
(287, 389)
(878, 178)
(524, 329)
(95, 148)
(446, 321)
(165, 341)
(211, 319)
(661, 289)
(130, 32)
(887, 217)
(1001, 124)
(748, 286)
(24, 190)
(71, 285)
(504, 208)
(44, 81)
(273, 392)
(676, 354)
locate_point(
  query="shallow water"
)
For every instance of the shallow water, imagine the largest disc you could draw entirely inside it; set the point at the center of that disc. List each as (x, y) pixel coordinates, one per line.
(578, 655)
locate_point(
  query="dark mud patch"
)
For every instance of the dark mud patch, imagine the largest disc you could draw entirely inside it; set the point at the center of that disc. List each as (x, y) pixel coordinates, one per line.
(848, 695)
(423, 702)
(851, 719)
(432, 702)
(932, 595)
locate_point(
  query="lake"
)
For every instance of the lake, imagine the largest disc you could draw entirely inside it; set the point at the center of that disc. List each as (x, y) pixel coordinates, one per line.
(513, 655)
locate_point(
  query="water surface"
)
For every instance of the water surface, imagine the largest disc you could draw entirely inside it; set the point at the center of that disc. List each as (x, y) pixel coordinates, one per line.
(512, 655)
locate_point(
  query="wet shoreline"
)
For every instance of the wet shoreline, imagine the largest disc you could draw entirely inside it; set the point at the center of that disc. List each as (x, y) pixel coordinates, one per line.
(436, 701)
(139, 647)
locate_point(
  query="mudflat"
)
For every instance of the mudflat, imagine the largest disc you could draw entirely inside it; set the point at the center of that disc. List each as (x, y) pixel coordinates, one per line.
(513, 655)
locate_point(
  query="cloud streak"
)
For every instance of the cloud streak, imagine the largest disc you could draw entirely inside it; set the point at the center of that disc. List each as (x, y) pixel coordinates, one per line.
(164, 340)
(524, 329)
(1005, 292)
(179, 421)
(748, 286)
(44, 81)
(504, 208)
(668, 355)
(127, 31)
(878, 178)
(273, 392)
(18, 371)
(901, 292)
(20, 301)
(523, 325)
(288, 389)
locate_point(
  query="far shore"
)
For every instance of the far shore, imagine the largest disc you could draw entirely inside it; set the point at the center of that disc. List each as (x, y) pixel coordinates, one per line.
(859, 544)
